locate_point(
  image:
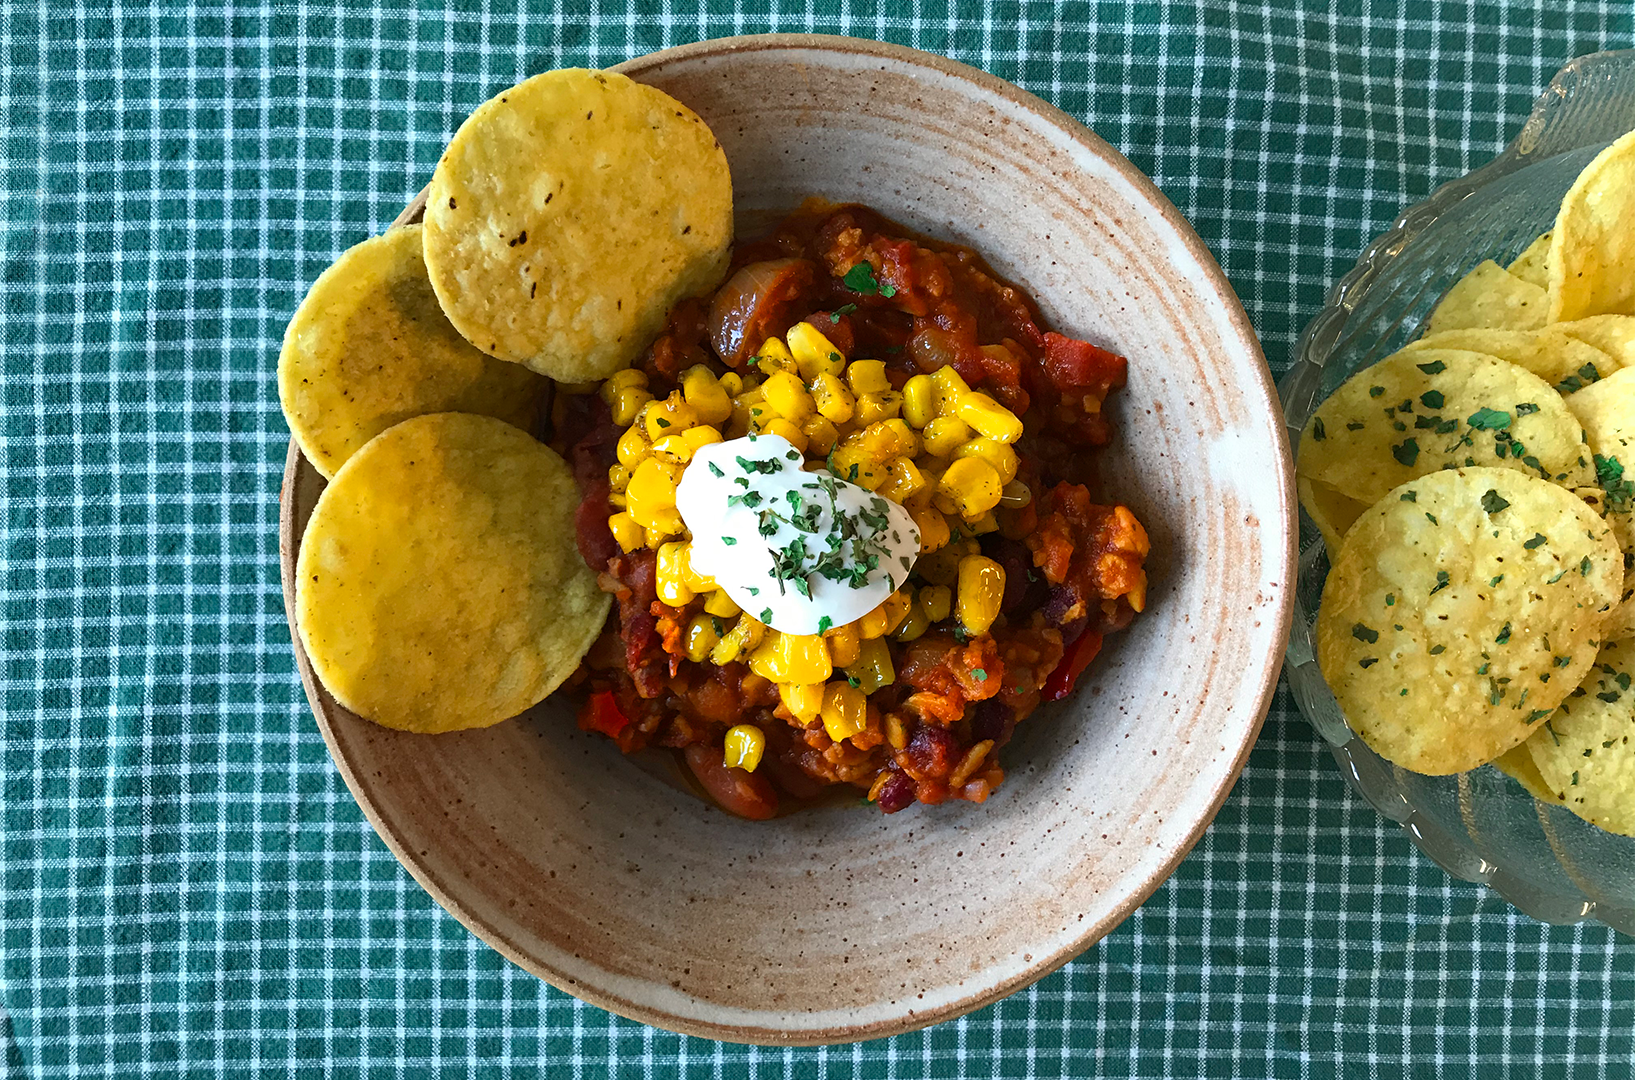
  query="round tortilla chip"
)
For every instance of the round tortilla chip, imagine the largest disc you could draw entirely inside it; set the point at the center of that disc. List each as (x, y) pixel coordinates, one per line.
(1421, 410)
(370, 347)
(569, 214)
(1332, 512)
(1592, 248)
(1489, 296)
(1517, 763)
(1563, 361)
(1612, 334)
(1461, 610)
(438, 585)
(1533, 264)
(1585, 753)
(1607, 411)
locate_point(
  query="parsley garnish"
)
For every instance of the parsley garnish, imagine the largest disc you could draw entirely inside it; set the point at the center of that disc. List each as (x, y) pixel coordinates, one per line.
(1495, 580)
(1526, 408)
(1432, 399)
(1435, 367)
(824, 624)
(860, 279)
(1375, 391)
(1318, 432)
(1407, 452)
(1620, 492)
(1493, 502)
(716, 469)
(1408, 496)
(1365, 633)
(766, 615)
(1441, 582)
(1504, 635)
(843, 309)
(981, 675)
(729, 540)
(1538, 538)
(1485, 419)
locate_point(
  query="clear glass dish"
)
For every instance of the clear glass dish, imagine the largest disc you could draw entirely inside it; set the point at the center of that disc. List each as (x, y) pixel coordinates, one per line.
(1481, 825)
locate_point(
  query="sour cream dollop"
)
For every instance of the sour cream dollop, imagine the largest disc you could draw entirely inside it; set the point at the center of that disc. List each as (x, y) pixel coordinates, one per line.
(801, 551)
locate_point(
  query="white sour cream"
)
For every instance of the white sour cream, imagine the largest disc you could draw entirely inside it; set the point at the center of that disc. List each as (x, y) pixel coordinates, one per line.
(792, 548)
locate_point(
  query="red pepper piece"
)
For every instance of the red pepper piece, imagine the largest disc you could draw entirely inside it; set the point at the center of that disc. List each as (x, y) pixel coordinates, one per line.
(1074, 661)
(600, 712)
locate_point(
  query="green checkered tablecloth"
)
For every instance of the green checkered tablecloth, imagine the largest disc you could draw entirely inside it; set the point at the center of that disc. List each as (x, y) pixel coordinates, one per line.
(187, 886)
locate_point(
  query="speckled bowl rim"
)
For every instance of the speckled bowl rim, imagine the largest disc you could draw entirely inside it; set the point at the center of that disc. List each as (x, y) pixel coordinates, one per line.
(1282, 572)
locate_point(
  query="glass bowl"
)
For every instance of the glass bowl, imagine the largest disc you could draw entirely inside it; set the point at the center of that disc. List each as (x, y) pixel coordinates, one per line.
(1480, 825)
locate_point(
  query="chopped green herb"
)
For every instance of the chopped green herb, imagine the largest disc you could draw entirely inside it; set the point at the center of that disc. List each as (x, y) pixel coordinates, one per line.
(729, 540)
(1485, 419)
(1492, 581)
(716, 469)
(981, 675)
(843, 309)
(824, 624)
(1441, 582)
(1538, 538)
(1493, 502)
(1435, 367)
(1408, 496)
(851, 680)
(860, 279)
(1431, 518)
(1375, 391)
(1536, 715)
(1438, 650)
(1620, 492)
(1406, 452)
(1526, 408)
(1365, 633)
(1504, 635)
(1584, 567)
(1355, 425)
(1368, 662)
(1432, 399)
(1317, 430)
(766, 615)
(1390, 599)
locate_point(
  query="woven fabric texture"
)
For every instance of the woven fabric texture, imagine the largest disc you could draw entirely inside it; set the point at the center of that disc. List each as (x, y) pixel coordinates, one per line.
(188, 888)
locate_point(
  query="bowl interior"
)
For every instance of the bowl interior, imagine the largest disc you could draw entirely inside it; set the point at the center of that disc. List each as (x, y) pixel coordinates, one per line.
(1481, 825)
(841, 923)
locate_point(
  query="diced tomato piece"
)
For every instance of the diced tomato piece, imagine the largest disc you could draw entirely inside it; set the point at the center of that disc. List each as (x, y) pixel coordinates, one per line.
(1075, 366)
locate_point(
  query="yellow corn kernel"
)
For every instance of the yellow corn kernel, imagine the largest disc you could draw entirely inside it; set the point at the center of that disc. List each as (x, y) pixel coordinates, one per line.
(655, 537)
(875, 623)
(867, 377)
(651, 495)
(673, 448)
(944, 435)
(774, 356)
(701, 436)
(989, 417)
(995, 453)
(903, 479)
(617, 478)
(628, 403)
(632, 447)
(617, 500)
(671, 416)
(670, 574)
(732, 383)
(701, 637)
(821, 435)
(937, 600)
(919, 401)
(745, 744)
(972, 485)
(799, 658)
(981, 587)
(984, 525)
(845, 710)
(854, 463)
(843, 642)
(787, 396)
(626, 531)
(814, 354)
(873, 668)
(699, 583)
(1015, 495)
(886, 439)
(947, 388)
(941, 567)
(621, 379)
(896, 733)
(878, 405)
(934, 531)
(915, 624)
(803, 700)
(779, 426)
(720, 604)
(832, 399)
(745, 636)
(709, 400)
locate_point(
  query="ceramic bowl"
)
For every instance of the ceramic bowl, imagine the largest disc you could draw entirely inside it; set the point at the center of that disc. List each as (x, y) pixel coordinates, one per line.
(1479, 825)
(612, 882)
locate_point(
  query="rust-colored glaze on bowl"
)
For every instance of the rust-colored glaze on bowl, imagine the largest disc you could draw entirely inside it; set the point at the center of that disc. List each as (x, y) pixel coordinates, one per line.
(614, 884)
